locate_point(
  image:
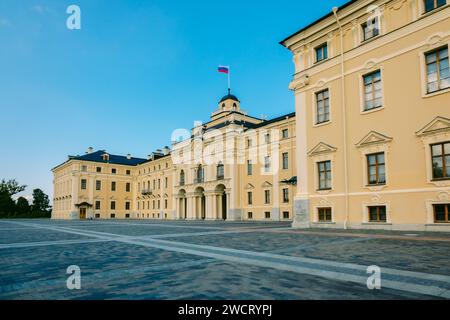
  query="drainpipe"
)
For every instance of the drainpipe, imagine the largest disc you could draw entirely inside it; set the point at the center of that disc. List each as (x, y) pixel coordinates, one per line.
(344, 118)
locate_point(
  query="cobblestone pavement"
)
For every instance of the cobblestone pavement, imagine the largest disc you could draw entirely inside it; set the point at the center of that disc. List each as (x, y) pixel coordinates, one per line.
(217, 260)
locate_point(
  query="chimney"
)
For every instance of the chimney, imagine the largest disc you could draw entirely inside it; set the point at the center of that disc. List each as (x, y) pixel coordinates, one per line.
(89, 150)
(166, 150)
(150, 157)
(129, 156)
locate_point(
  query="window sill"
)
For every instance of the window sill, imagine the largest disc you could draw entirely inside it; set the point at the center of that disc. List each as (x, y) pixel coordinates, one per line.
(324, 222)
(321, 61)
(372, 110)
(328, 189)
(363, 42)
(377, 223)
(436, 93)
(375, 185)
(440, 179)
(321, 124)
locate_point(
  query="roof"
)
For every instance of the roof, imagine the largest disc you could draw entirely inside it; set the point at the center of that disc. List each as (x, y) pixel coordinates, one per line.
(317, 21)
(274, 120)
(97, 156)
(229, 96)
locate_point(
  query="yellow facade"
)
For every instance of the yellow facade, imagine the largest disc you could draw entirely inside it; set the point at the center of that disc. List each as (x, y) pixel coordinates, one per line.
(373, 117)
(206, 175)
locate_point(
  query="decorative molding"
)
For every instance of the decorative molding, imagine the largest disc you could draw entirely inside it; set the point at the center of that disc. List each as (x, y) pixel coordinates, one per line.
(373, 138)
(437, 125)
(321, 148)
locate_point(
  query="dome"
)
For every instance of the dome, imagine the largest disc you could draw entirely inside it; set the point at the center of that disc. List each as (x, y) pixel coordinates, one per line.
(229, 97)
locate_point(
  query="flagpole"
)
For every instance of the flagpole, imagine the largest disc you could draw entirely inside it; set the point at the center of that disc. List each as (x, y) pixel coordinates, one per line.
(229, 81)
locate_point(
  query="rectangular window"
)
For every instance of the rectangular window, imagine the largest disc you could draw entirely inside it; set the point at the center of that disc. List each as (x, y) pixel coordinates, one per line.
(250, 198)
(159, 183)
(267, 137)
(159, 204)
(98, 185)
(267, 196)
(98, 169)
(166, 182)
(285, 195)
(127, 205)
(83, 184)
(371, 28)
(267, 164)
(377, 214)
(250, 215)
(249, 143)
(285, 157)
(128, 172)
(165, 203)
(324, 214)
(249, 167)
(128, 187)
(285, 133)
(373, 94)
(285, 214)
(442, 213)
(267, 214)
(438, 73)
(84, 168)
(324, 171)
(127, 215)
(113, 186)
(322, 106)
(322, 52)
(113, 215)
(97, 215)
(113, 205)
(431, 5)
(440, 154)
(97, 205)
(153, 204)
(113, 171)
(376, 169)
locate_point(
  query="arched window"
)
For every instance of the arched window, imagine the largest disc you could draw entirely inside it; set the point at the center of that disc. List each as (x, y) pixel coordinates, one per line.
(200, 175)
(223, 106)
(220, 171)
(234, 106)
(182, 181)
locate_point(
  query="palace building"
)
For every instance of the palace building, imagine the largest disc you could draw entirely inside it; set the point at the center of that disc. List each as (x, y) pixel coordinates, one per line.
(234, 167)
(372, 93)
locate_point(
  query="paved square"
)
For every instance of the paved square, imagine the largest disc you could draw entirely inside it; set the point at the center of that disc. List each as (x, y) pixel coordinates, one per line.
(217, 260)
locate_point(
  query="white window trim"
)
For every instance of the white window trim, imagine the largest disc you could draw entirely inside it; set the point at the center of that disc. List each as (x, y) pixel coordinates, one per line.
(382, 147)
(427, 141)
(422, 12)
(316, 213)
(435, 41)
(316, 160)
(375, 12)
(376, 201)
(442, 198)
(314, 99)
(362, 93)
(314, 58)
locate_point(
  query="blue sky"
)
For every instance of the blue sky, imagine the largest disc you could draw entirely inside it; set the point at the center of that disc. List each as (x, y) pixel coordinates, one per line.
(136, 71)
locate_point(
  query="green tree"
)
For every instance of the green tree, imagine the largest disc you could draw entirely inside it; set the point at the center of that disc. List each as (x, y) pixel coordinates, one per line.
(22, 206)
(11, 187)
(7, 190)
(41, 203)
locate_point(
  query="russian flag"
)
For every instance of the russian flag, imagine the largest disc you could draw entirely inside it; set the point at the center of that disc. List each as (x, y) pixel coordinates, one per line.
(224, 69)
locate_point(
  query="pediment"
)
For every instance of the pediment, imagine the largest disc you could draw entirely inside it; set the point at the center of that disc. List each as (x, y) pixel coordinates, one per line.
(439, 124)
(372, 138)
(249, 186)
(266, 184)
(321, 148)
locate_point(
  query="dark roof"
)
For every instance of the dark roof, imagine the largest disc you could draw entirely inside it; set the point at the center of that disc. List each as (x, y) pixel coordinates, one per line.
(97, 156)
(229, 96)
(317, 21)
(274, 120)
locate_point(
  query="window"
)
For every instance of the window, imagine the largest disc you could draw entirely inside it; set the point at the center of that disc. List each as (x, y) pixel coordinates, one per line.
(97, 215)
(376, 171)
(285, 133)
(267, 196)
(438, 74)
(98, 169)
(324, 170)
(324, 214)
(166, 182)
(267, 137)
(250, 215)
(113, 216)
(159, 204)
(153, 204)
(249, 143)
(267, 214)
(97, 205)
(373, 95)
(377, 214)
(98, 185)
(84, 168)
(442, 213)
(250, 198)
(322, 106)
(165, 203)
(113, 171)
(441, 160)
(285, 157)
(127, 187)
(249, 167)
(182, 178)
(370, 29)
(267, 164)
(128, 172)
(127, 215)
(322, 52)
(430, 5)
(113, 205)
(159, 183)
(83, 184)
(127, 205)
(113, 186)
(285, 195)
(285, 214)
(220, 171)
(200, 174)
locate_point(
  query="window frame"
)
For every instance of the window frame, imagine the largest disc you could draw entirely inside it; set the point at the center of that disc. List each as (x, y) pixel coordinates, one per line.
(443, 157)
(323, 213)
(325, 53)
(285, 157)
(378, 207)
(436, 51)
(285, 193)
(372, 83)
(267, 197)
(366, 25)
(446, 213)
(435, 6)
(326, 107)
(319, 186)
(377, 166)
